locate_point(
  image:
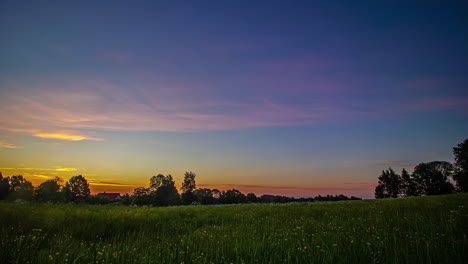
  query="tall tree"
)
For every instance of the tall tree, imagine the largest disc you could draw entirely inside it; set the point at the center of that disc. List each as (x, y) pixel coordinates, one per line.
(389, 184)
(4, 187)
(188, 186)
(461, 166)
(432, 178)
(189, 182)
(77, 188)
(408, 186)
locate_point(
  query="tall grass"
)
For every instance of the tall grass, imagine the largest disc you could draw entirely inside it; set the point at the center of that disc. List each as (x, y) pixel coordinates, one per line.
(409, 230)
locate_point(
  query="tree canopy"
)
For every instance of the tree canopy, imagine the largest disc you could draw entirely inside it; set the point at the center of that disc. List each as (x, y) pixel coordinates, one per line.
(461, 166)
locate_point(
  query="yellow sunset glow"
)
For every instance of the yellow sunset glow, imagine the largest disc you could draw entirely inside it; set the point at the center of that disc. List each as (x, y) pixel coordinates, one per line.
(64, 136)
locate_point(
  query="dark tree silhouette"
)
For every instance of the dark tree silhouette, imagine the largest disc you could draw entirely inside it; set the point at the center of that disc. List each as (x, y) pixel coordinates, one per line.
(188, 186)
(408, 186)
(166, 194)
(460, 175)
(189, 182)
(20, 188)
(252, 198)
(379, 192)
(142, 196)
(232, 197)
(389, 184)
(76, 189)
(156, 182)
(432, 178)
(50, 191)
(4, 187)
(205, 196)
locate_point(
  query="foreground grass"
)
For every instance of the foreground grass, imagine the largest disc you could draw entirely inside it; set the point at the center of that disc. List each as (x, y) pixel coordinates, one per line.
(410, 230)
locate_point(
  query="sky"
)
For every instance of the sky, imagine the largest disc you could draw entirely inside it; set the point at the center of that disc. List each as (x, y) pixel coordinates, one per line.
(295, 98)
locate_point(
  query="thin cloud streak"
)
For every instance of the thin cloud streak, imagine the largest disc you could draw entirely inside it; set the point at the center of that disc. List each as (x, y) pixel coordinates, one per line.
(42, 169)
(5, 144)
(56, 113)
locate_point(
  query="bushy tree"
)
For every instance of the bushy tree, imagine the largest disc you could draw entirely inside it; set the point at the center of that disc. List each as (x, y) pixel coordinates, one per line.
(20, 188)
(389, 184)
(50, 191)
(252, 198)
(432, 178)
(460, 175)
(166, 194)
(232, 197)
(142, 196)
(77, 188)
(156, 182)
(204, 196)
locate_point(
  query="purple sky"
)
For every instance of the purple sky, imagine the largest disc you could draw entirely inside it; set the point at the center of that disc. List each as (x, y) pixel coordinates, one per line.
(297, 98)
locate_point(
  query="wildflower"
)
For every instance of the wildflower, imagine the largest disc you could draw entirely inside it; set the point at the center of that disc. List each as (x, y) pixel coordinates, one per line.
(50, 257)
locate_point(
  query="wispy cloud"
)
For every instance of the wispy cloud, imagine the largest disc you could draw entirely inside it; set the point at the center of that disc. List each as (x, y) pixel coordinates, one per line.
(100, 105)
(5, 144)
(52, 112)
(112, 184)
(63, 136)
(41, 169)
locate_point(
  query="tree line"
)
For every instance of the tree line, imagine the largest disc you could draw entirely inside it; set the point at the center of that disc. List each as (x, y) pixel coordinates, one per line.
(161, 191)
(429, 178)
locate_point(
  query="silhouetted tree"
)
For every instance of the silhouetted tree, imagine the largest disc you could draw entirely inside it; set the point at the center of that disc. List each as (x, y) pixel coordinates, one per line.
(389, 184)
(142, 196)
(408, 186)
(50, 191)
(97, 199)
(205, 196)
(189, 182)
(432, 178)
(126, 199)
(252, 198)
(166, 194)
(76, 189)
(4, 187)
(20, 188)
(156, 182)
(232, 197)
(460, 175)
(188, 186)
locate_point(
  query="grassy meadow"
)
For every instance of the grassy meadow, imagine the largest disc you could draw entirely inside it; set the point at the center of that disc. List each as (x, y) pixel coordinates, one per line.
(408, 230)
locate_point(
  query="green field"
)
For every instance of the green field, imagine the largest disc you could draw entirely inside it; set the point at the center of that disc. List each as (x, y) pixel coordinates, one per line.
(407, 230)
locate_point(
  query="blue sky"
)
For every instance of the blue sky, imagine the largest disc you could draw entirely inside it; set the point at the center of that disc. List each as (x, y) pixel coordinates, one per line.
(297, 98)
